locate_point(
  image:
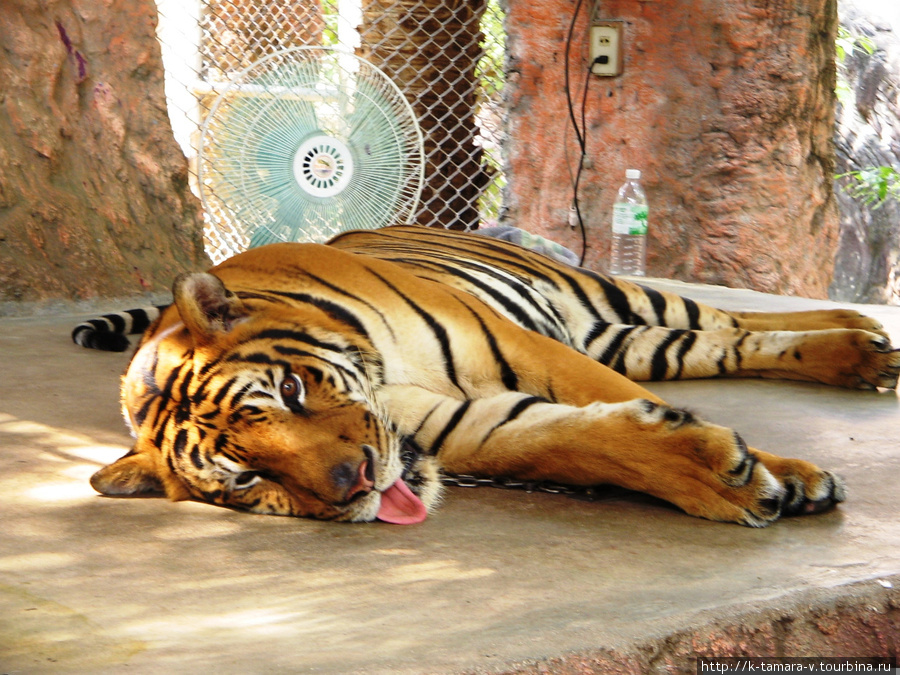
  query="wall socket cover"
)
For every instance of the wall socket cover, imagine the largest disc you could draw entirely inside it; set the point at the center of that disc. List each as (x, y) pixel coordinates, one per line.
(606, 48)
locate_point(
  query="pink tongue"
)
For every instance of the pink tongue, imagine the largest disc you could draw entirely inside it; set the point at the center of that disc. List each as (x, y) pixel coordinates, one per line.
(400, 506)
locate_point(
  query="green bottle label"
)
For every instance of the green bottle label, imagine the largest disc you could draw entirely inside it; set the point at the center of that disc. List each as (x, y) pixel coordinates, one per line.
(630, 219)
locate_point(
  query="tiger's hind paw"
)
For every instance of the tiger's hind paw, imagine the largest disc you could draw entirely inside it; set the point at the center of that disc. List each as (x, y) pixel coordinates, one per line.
(880, 365)
(849, 318)
(856, 359)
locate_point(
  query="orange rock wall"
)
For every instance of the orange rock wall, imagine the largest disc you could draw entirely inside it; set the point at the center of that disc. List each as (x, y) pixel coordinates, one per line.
(725, 105)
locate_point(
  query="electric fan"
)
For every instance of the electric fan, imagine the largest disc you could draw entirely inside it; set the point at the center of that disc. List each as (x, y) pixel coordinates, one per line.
(305, 143)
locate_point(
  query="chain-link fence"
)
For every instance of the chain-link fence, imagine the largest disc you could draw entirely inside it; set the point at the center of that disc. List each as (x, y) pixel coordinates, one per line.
(446, 57)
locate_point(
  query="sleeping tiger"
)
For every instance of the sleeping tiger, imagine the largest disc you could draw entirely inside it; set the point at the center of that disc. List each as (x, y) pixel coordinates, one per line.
(339, 381)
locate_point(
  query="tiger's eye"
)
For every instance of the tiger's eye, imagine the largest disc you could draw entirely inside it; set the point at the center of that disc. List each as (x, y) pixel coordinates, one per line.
(289, 388)
(292, 392)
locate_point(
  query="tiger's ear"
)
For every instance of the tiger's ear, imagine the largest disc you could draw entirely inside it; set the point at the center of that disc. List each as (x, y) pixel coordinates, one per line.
(136, 474)
(206, 306)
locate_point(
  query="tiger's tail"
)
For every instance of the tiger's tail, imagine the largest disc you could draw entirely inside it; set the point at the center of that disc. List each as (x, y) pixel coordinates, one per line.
(107, 332)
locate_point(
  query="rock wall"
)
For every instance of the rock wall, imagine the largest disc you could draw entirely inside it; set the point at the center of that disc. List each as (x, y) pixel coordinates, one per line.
(726, 105)
(94, 197)
(867, 134)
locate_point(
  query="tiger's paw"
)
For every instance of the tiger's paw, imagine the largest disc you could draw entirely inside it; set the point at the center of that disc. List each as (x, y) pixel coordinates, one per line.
(765, 488)
(808, 489)
(855, 359)
(712, 473)
(883, 364)
(877, 365)
(848, 318)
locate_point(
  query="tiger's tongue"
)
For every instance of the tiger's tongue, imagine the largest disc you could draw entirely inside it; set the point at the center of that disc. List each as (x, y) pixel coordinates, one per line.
(400, 506)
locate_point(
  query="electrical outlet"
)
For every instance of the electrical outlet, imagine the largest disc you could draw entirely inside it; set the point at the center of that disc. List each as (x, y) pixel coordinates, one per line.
(606, 48)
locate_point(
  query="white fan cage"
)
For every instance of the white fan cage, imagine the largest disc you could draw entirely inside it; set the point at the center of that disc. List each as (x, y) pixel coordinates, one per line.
(305, 143)
(205, 42)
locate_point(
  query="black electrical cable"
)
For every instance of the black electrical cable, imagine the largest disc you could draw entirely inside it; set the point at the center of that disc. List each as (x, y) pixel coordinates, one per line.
(575, 14)
(581, 167)
(580, 134)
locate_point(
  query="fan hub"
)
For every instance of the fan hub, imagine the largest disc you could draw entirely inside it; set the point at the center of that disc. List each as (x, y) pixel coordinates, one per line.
(323, 166)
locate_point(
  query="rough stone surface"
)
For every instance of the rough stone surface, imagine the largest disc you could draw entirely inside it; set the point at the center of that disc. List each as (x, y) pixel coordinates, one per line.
(727, 107)
(861, 621)
(94, 197)
(867, 134)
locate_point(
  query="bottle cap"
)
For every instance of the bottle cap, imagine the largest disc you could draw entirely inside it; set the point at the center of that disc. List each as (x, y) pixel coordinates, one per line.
(633, 174)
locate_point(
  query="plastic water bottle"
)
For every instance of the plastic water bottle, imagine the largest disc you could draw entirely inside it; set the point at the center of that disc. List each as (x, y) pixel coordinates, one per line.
(629, 230)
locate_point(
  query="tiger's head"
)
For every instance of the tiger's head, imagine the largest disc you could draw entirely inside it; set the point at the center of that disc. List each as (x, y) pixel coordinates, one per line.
(260, 405)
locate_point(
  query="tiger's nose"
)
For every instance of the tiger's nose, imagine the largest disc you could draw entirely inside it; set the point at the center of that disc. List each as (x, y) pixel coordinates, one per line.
(355, 478)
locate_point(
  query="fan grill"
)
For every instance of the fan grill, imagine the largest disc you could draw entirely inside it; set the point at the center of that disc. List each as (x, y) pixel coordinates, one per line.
(306, 143)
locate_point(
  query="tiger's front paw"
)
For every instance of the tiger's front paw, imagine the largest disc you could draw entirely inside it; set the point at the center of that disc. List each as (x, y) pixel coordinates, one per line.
(713, 474)
(784, 487)
(808, 489)
(774, 489)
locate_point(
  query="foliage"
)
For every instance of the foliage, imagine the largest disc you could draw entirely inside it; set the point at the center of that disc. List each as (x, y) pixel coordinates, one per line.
(846, 43)
(873, 185)
(331, 14)
(845, 46)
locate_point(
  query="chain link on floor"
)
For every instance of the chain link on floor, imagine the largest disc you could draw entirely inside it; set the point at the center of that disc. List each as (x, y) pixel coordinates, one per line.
(590, 493)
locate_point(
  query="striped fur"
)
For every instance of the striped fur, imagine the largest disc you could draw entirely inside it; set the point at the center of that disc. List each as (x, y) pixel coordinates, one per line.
(338, 381)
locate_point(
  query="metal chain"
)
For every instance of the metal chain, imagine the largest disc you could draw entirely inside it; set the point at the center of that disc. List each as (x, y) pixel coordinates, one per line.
(587, 493)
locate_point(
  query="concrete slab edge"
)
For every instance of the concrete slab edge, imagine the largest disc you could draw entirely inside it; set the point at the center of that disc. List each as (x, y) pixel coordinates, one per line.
(861, 619)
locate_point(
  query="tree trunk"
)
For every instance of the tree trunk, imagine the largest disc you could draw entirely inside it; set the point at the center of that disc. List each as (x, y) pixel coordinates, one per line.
(430, 49)
(94, 196)
(727, 108)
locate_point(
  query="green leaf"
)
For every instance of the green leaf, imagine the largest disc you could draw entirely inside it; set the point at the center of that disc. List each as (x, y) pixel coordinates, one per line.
(873, 185)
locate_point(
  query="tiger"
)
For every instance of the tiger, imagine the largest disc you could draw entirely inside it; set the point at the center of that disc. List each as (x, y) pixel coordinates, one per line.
(343, 381)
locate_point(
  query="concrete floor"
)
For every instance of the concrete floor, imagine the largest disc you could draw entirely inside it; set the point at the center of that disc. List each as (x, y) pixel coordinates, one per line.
(495, 581)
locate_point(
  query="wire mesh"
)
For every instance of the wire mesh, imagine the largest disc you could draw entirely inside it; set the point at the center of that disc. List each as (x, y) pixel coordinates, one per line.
(447, 59)
(307, 142)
